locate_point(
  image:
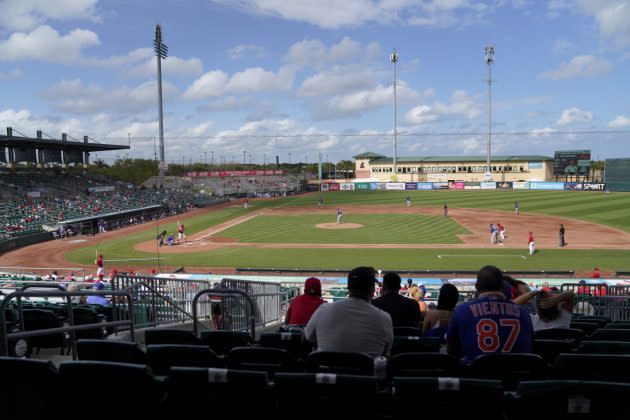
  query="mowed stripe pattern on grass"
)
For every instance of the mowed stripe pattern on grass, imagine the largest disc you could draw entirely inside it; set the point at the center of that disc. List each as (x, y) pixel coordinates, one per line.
(608, 209)
(377, 229)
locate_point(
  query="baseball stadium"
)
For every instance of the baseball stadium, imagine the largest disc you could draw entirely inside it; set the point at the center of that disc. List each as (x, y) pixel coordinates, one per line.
(469, 282)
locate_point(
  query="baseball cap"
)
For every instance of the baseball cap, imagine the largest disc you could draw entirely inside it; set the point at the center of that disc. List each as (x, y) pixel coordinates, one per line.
(312, 286)
(98, 286)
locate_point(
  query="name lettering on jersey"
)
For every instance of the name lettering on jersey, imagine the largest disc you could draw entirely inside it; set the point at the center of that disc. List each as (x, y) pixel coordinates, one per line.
(494, 308)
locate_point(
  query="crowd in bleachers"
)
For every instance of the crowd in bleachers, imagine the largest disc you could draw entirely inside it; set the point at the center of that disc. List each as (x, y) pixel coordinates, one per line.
(254, 186)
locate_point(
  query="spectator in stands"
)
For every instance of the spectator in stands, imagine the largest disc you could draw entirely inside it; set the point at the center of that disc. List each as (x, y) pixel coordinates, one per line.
(98, 300)
(303, 306)
(352, 324)
(217, 316)
(417, 294)
(404, 311)
(490, 323)
(596, 273)
(552, 310)
(73, 287)
(435, 323)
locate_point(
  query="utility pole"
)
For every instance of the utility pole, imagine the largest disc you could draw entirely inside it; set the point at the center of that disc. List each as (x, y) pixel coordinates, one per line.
(489, 60)
(393, 57)
(243, 157)
(161, 52)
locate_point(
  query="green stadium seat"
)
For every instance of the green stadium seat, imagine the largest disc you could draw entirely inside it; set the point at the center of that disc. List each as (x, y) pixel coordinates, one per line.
(263, 359)
(161, 357)
(110, 351)
(221, 342)
(407, 332)
(570, 400)
(340, 363)
(617, 326)
(560, 334)
(423, 365)
(550, 349)
(169, 336)
(592, 367)
(291, 342)
(604, 347)
(447, 398)
(611, 335)
(601, 320)
(330, 392)
(510, 368)
(39, 319)
(415, 344)
(587, 328)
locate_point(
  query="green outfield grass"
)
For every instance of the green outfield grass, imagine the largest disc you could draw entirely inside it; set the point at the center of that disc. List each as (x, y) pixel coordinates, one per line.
(612, 210)
(377, 229)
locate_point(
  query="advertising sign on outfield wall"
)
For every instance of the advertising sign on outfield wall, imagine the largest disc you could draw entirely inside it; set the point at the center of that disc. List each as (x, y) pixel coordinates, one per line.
(395, 186)
(411, 185)
(440, 185)
(504, 185)
(347, 186)
(379, 186)
(535, 185)
(424, 185)
(472, 185)
(519, 185)
(374, 185)
(593, 186)
(324, 187)
(361, 185)
(333, 187)
(572, 185)
(488, 185)
(457, 185)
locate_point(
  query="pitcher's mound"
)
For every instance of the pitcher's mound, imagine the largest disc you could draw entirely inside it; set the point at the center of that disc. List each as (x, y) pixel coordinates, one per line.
(339, 226)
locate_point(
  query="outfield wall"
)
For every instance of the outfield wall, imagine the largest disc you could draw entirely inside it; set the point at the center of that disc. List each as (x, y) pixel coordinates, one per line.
(460, 185)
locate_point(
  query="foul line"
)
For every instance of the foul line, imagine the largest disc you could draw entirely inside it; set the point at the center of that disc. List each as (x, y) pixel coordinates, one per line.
(135, 259)
(480, 256)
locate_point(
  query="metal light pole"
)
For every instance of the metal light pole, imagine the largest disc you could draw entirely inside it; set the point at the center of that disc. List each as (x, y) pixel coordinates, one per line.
(489, 60)
(244, 157)
(289, 158)
(161, 52)
(205, 158)
(212, 158)
(393, 57)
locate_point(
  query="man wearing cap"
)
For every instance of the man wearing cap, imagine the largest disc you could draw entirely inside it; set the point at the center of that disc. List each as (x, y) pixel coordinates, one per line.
(303, 306)
(353, 324)
(405, 312)
(98, 300)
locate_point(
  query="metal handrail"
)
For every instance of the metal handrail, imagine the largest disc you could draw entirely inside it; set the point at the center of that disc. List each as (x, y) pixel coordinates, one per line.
(225, 292)
(4, 336)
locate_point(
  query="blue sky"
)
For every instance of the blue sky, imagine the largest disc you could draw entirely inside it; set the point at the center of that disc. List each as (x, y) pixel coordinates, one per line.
(276, 77)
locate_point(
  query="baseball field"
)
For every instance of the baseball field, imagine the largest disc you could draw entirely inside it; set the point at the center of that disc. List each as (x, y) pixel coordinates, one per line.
(377, 229)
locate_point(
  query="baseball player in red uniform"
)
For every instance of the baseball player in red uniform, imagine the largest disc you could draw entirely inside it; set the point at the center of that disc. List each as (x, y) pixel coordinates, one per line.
(99, 265)
(181, 232)
(530, 241)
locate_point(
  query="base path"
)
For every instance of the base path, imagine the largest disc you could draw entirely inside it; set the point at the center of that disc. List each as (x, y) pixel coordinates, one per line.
(339, 225)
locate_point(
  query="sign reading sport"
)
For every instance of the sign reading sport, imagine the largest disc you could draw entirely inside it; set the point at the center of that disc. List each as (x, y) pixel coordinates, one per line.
(572, 162)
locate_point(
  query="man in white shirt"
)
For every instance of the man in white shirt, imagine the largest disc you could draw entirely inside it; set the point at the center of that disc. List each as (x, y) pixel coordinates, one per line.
(552, 310)
(352, 324)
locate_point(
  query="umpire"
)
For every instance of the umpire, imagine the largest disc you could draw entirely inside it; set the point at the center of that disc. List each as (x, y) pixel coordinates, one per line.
(561, 235)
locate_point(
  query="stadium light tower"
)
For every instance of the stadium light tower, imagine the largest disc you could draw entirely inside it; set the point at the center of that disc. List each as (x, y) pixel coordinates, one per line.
(393, 57)
(489, 60)
(161, 52)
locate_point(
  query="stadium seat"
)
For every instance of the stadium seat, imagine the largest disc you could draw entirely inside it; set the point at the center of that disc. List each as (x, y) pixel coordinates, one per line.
(604, 347)
(407, 331)
(161, 357)
(221, 342)
(131, 381)
(340, 363)
(550, 349)
(218, 393)
(110, 351)
(39, 319)
(261, 359)
(85, 315)
(587, 328)
(601, 320)
(570, 400)
(291, 342)
(330, 392)
(510, 368)
(422, 365)
(592, 367)
(447, 398)
(27, 390)
(560, 334)
(415, 344)
(610, 335)
(169, 336)
(617, 326)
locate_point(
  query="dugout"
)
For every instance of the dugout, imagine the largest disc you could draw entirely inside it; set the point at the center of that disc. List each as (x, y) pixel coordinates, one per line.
(617, 174)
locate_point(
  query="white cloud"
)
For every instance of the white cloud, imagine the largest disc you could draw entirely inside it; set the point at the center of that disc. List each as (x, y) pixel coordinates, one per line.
(334, 14)
(460, 105)
(73, 96)
(216, 83)
(134, 56)
(560, 45)
(574, 116)
(582, 66)
(172, 66)
(45, 43)
(421, 114)
(314, 53)
(10, 74)
(619, 121)
(226, 103)
(613, 18)
(236, 53)
(199, 130)
(546, 131)
(26, 14)
(338, 80)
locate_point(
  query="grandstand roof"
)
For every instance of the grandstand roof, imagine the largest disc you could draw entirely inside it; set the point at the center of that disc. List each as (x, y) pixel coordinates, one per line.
(368, 155)
(18, 141)
(428, 159)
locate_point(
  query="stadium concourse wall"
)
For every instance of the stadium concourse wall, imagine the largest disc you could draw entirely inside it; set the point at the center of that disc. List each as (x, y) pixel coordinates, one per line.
(459, 185)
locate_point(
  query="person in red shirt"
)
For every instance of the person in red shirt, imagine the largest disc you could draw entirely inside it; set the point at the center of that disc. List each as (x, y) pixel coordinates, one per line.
(596, 274)
(99, 265)
(530, 241)
(303, 306)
